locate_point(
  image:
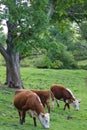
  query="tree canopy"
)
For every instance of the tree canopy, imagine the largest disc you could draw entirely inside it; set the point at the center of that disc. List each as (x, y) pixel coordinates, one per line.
(34, 25)
(51, 27)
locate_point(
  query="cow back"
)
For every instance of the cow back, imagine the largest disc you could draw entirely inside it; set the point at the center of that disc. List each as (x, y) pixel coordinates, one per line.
(44, 95)
(61, 92)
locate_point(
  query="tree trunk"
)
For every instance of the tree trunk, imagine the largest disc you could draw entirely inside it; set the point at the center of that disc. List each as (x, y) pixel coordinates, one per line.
(11, 57)
(13, 78)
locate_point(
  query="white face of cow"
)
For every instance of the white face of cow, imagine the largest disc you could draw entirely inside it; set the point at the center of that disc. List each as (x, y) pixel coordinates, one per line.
(44, 119)
(76, 104)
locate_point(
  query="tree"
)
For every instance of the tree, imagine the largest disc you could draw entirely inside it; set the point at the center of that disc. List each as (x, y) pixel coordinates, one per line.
(25, 22)
(74, 11)
(78, 14)
(65, 14)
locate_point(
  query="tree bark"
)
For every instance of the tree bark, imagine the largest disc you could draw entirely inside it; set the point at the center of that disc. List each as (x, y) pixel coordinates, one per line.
(13, 78)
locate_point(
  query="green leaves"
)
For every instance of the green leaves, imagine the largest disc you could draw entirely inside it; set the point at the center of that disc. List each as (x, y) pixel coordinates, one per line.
(35, 31)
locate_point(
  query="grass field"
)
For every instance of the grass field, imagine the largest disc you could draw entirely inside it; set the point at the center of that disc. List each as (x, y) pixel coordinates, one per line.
(33, 78)
(82, 62)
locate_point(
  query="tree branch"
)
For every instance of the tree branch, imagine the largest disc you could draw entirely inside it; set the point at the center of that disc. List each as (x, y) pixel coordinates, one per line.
(3, 52)
(51, 10)
(72, 15)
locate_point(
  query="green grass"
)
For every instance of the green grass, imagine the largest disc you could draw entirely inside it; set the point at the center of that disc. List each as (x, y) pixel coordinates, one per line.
(33, 78)
(82, 62)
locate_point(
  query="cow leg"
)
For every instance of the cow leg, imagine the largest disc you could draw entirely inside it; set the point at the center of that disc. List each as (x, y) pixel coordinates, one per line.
(57, 103)
(34, 118)
(23, 117)
(48, 106)
(53, 104)
(19, 112)
(67, 104)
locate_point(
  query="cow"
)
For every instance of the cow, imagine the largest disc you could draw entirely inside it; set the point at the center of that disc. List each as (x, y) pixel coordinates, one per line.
(44, 95)
(64, 94)
(29, 101)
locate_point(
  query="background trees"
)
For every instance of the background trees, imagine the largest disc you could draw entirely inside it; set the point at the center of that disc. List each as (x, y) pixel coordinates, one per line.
(44, 27)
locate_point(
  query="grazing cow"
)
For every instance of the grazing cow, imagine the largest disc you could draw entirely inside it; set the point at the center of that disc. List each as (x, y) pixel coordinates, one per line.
(64, 94)
(29, 101)
(44, 96)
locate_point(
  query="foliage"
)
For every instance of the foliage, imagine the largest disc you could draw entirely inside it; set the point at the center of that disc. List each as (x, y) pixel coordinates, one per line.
(2, 38)
(30, 21)
(68, 60)
(57, 64)
(79, 51)
(83, 67)
(2, 62)
(58, 52)
(43, 62)
(82, 64)
(35, 30)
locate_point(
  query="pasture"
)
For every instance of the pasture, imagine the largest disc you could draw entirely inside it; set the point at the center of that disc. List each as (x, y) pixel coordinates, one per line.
(33, 78)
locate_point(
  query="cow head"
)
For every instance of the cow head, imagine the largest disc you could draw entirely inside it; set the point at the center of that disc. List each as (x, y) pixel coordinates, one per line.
(76, 104)
(44, 119)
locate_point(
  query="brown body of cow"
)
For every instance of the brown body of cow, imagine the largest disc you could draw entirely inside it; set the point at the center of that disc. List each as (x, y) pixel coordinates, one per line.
(62, 93)
(29, 101)
(45, 97)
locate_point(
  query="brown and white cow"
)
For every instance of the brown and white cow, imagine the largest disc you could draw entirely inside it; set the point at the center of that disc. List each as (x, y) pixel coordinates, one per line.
(64, 94)
(29, 101)
(44, 95)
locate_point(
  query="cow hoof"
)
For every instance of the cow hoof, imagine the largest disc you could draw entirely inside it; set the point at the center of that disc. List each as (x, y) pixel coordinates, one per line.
(69, 117)
(21, 122)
